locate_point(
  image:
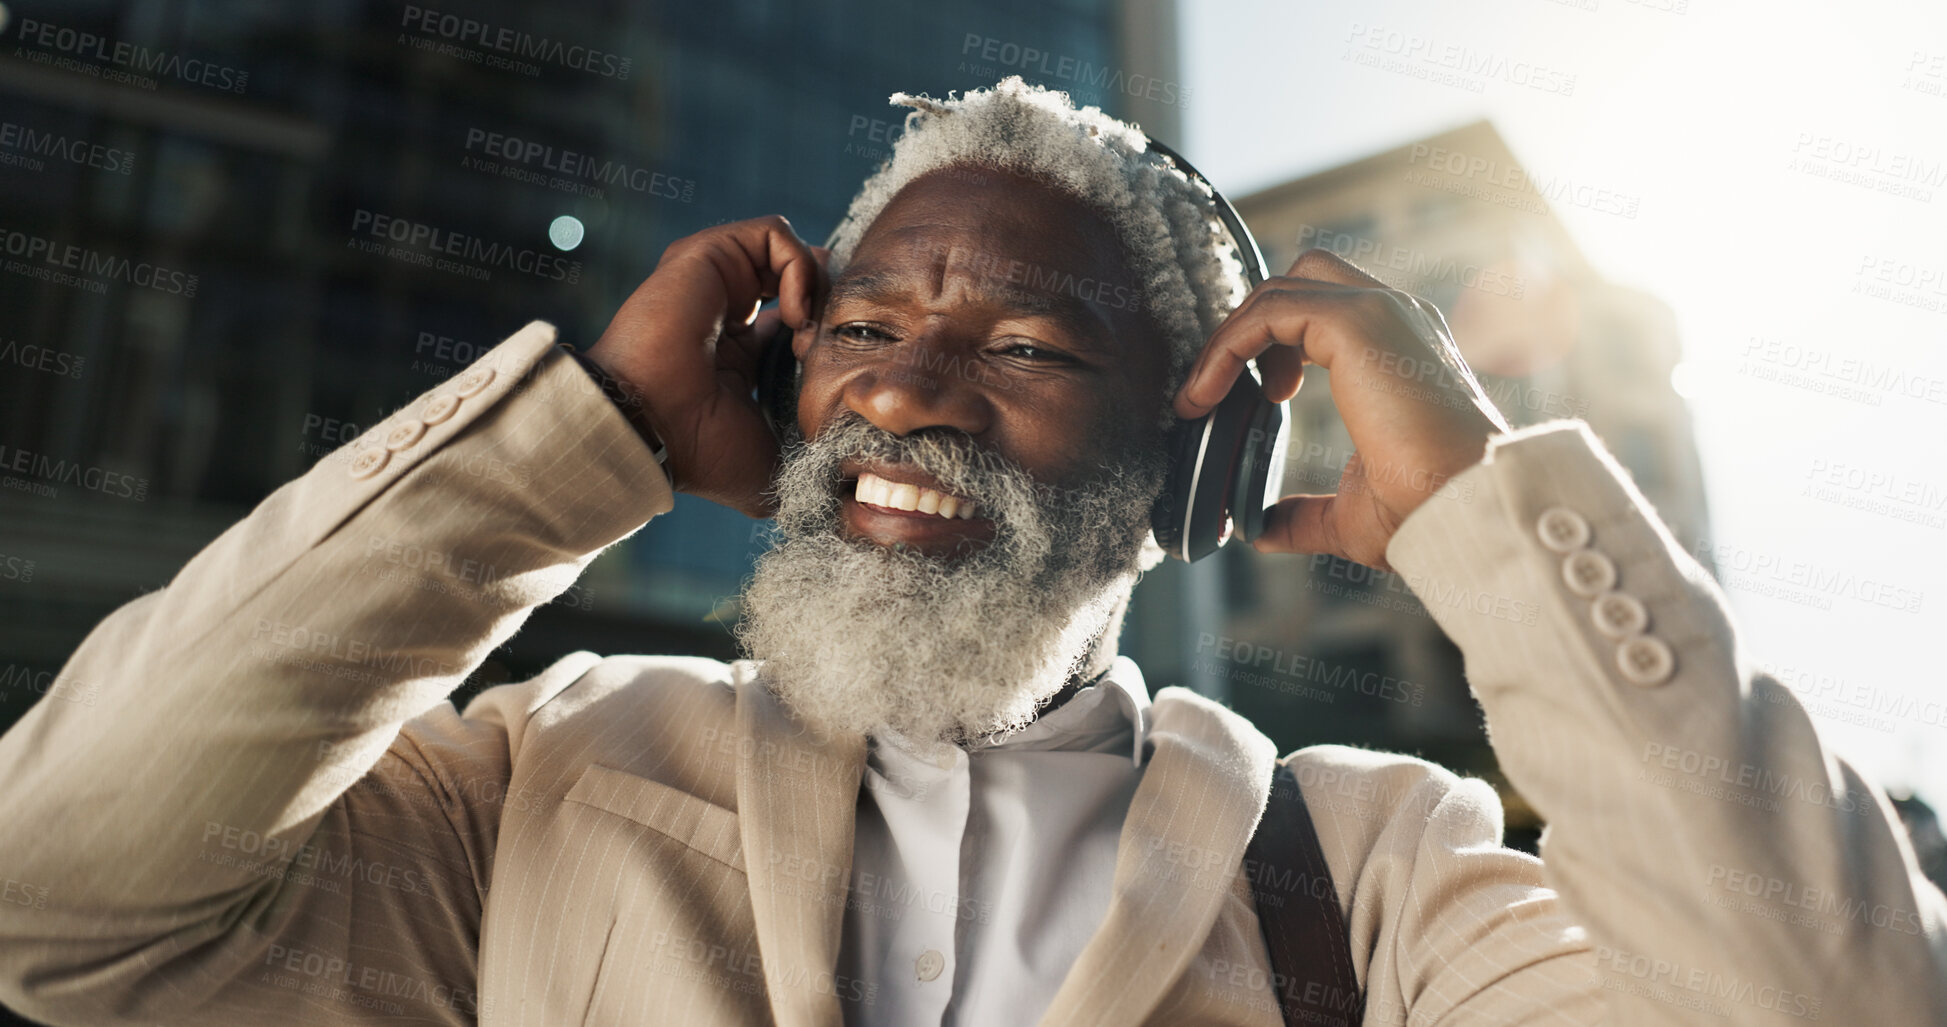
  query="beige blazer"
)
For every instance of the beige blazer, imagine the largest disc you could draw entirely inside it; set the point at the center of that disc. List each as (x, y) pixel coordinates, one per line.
(272, 815)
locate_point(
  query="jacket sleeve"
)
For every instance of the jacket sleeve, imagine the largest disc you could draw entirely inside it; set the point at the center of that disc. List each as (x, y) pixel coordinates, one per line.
(239, 830)
(1725, 865)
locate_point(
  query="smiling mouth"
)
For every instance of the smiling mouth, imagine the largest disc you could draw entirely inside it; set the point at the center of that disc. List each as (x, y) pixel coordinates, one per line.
(906, 497)
(918, 514)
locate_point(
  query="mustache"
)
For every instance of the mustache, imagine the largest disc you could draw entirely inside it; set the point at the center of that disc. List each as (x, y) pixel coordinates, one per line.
(962, 466)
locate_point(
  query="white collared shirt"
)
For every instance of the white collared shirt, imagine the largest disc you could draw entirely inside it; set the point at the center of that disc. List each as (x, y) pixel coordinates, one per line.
(979, 875)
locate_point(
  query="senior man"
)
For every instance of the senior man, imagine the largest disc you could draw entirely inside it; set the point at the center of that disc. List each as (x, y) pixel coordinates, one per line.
(934, 793)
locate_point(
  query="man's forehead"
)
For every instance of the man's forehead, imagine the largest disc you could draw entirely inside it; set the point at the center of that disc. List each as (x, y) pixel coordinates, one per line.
(922, 262)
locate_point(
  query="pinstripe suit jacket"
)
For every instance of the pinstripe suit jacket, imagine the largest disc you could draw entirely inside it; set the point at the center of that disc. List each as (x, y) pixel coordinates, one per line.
(273, 815)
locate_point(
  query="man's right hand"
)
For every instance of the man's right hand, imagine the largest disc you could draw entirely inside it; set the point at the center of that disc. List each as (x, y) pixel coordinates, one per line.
(686, 342)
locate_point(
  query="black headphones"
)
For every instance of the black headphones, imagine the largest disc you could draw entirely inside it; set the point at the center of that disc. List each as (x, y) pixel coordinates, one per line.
(1226, 467)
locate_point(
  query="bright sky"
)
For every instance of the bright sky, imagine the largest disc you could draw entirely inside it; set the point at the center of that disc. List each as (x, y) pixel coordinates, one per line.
(1791, 160)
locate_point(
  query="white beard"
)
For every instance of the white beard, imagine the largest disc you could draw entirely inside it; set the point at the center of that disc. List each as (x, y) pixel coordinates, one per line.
(859, 638)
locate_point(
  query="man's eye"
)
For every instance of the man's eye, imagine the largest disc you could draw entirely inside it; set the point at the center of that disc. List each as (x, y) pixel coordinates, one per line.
(859, 331)
(1030, 351)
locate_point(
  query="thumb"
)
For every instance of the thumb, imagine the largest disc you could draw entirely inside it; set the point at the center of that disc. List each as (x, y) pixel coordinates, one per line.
(1317, 524)
(1299, 524)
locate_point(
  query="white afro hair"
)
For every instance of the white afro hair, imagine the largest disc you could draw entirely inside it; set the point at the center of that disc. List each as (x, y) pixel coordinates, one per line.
(1190, 272)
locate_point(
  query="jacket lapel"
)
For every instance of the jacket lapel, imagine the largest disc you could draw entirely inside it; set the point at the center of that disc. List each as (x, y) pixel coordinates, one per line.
(1192, 816)
(797, 796)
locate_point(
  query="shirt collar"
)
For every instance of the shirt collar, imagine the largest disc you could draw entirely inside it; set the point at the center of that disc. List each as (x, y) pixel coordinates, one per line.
(1115, 709)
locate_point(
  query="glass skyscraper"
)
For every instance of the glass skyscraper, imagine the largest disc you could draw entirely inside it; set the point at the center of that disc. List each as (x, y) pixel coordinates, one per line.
(235, 236)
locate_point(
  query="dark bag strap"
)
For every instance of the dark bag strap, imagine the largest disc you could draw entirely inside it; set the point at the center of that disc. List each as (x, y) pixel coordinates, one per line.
(1298, 911)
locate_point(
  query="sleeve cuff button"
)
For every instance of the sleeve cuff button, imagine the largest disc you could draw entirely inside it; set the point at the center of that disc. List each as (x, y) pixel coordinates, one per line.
(369, 462)
(1645, 660)
(439, 408)
(1588, 573)
(470, 382)
(405, 435)
(1562, 530)
(1619, 615)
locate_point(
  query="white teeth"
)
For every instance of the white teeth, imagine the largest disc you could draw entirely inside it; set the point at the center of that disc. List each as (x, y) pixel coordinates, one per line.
(899, 495)
(869, 490)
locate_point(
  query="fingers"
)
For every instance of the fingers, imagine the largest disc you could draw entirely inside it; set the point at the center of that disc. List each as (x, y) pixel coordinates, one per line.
(741, 351)
(760, 259)
(1283, 370)
(1326, 266)
(798, 288)
(1272, 326)
(1222, 360)
(799, 272)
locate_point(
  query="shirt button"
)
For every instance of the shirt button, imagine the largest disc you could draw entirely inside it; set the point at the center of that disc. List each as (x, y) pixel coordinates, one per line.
(439, 408)
(1619, 615)
(1646, 661)
(1588, 573)
(1562, 529)
(404, 435)
(369, 462)
(470, 382)
(929, 964)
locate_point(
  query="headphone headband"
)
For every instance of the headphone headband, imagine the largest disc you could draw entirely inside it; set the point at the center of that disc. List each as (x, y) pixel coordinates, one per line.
(1255, 270)
(1227, 467)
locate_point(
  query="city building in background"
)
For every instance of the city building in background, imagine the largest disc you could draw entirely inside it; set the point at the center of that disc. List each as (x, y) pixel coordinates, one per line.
(287, 221)
(1456, 219)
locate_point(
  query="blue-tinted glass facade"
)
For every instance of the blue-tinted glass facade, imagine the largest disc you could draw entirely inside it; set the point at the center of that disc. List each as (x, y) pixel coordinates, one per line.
(266, 154)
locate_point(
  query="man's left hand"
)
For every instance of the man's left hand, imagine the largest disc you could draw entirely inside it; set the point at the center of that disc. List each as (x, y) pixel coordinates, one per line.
(1412, 428)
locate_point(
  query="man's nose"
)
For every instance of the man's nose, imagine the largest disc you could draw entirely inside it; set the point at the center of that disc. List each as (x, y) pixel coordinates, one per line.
(929, 382)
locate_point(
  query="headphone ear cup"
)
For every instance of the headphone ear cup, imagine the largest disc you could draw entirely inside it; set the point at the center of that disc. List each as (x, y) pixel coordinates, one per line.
(1258, 482)
(1172, 510)
(1226, 469)
(1191, 519)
